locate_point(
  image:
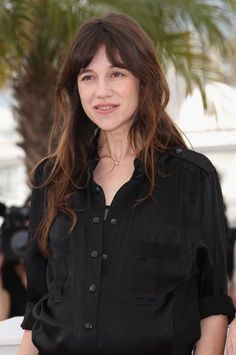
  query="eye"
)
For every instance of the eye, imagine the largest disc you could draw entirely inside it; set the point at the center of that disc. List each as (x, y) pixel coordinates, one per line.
(87, 77)
(118, 74)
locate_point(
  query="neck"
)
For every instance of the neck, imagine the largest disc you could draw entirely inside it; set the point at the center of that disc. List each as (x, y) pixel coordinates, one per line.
(115, 145)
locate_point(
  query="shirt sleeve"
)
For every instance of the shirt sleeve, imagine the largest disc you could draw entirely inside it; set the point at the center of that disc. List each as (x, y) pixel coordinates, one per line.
(211, 252)
(35, 262)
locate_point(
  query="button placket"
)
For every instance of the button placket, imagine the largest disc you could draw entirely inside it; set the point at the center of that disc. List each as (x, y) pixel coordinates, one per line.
(95, 237)
(113, 221)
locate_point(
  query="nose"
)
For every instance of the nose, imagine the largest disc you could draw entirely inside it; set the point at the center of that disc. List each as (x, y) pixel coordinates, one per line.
(103, 89)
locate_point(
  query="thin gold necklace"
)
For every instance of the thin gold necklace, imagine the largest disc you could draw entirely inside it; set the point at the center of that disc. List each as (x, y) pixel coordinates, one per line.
(116, 162)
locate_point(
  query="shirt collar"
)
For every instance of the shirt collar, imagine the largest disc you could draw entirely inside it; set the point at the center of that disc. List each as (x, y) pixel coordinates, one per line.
(139, 169)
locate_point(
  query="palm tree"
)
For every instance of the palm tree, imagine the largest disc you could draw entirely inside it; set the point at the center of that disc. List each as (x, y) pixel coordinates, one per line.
(185, 33)
(33, 34)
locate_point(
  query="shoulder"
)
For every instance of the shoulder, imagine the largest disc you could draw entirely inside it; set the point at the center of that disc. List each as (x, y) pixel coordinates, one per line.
(193, 160)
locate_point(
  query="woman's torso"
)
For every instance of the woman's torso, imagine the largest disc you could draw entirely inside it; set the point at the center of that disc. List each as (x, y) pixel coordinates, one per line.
(127, 285)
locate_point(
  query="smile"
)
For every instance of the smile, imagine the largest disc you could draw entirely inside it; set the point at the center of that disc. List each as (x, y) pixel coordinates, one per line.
(105, 108)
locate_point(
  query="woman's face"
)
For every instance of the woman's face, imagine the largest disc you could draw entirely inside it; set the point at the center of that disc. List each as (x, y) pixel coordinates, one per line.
(109, 95)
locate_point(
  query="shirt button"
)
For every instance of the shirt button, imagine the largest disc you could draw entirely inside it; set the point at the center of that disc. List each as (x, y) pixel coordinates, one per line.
(94, 254)
(178, 150)
(92, 288)
(104, 256)
(88, 325)
(97, 189)
(96, 219)
(113, 221)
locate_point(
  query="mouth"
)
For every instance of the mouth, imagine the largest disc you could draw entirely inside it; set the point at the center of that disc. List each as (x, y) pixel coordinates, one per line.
(106, 108)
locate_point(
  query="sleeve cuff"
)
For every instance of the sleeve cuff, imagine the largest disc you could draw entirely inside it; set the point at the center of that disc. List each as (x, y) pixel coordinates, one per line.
(28, 320)
(219, 304)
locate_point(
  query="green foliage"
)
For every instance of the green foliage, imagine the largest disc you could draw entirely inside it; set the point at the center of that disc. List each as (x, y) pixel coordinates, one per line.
(35, 31)
(184, 31)
(188, 35)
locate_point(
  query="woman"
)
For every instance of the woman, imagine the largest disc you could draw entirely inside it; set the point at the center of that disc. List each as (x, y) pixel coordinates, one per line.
(126, 249)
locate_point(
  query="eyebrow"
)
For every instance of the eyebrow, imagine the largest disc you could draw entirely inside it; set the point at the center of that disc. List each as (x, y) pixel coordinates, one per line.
(85, 71)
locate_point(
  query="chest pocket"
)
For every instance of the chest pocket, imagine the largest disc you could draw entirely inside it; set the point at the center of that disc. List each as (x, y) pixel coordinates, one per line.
(152, 270)
(60, 273)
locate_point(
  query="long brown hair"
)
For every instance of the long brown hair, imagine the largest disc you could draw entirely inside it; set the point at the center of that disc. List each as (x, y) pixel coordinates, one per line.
(126, 45)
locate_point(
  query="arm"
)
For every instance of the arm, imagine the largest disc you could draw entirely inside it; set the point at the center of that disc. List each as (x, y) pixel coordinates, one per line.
(215, 306)
(213, 335)
(231, 340)
(26, 346)
(36, 265)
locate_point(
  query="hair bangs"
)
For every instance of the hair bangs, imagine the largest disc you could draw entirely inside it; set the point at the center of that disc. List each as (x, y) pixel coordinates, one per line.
(114, 50)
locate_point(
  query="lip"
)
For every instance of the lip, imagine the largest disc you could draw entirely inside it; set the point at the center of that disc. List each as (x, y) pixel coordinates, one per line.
(105, 108)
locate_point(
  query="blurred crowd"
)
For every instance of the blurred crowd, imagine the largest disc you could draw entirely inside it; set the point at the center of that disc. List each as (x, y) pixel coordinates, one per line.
(13, 245)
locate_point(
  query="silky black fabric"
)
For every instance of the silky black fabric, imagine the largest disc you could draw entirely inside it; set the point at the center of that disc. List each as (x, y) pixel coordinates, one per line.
(140, 282)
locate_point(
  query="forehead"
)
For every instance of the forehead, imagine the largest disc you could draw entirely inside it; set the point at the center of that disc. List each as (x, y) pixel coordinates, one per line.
(100, 58)
(104, 58)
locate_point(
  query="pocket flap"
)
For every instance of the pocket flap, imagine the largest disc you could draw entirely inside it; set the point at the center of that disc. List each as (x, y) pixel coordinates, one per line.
(154, 269)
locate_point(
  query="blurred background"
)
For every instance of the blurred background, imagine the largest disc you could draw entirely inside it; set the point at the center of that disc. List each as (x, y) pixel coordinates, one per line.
(196, 43)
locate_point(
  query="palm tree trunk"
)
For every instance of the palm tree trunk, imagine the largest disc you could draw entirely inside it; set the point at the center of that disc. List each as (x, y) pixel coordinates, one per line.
(34, 92)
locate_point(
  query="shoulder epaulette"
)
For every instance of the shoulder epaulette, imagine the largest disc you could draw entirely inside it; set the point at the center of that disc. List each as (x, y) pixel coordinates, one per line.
(193, 157)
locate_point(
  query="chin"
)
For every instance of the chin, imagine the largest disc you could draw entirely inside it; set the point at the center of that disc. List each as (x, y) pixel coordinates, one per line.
(109, 127)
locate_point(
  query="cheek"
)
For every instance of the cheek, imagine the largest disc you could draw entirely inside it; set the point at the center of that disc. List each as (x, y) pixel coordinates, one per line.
(132, 91)
(133, 86)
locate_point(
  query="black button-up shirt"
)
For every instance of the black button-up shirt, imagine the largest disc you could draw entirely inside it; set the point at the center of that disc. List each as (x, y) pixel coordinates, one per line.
(140, 280)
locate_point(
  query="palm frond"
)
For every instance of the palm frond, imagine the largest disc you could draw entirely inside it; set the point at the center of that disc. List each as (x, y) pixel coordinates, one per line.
(185, 33)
